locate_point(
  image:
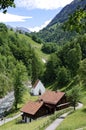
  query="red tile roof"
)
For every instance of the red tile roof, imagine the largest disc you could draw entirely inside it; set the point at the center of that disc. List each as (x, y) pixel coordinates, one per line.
(35, 84)
(32, 107)
(52, 97)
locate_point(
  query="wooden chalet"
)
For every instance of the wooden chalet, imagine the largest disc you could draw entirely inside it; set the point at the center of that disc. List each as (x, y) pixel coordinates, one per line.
(55, 100)
(48, 103)
(33, 110)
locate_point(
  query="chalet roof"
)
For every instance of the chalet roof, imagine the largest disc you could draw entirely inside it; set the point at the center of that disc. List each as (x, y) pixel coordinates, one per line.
(35, 84)
(51, 97)
(32, 107)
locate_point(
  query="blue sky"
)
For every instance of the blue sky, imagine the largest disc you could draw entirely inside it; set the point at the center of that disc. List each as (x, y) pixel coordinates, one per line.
(33, 14)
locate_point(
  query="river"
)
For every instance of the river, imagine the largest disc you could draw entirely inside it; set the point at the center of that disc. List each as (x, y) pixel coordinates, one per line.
(6, 103)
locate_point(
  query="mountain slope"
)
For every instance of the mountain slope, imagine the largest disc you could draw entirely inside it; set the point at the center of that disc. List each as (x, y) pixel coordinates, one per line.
(66, 11)
(17, 49)
(54, 32)
(22, 30)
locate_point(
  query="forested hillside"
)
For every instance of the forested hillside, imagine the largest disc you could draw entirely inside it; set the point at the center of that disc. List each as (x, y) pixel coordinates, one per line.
(66, 11)
(54, 31)
(18, 54)
(64, 64)
(66, 67)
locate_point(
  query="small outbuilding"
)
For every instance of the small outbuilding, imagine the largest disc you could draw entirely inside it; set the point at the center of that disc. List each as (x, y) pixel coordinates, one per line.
(38, 88)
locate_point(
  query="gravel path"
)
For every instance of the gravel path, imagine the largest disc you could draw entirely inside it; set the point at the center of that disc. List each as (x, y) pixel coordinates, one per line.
(58, 121)
(9, 119)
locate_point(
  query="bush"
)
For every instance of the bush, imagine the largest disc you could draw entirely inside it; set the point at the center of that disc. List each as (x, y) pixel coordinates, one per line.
(49, 48)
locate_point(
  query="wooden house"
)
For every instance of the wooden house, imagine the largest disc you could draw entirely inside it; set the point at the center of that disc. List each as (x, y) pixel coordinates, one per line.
(54, 99)
(33, 110)
(47, 103)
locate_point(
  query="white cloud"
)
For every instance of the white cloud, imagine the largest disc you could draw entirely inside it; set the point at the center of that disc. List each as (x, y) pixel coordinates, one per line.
(42, 4)
(37, 28)
(12, 18)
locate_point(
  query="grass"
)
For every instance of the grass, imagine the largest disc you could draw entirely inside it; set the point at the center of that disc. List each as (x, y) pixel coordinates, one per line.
(55, 116)
(77, 119)
(34, 44)
(26, 98)
(74, 121)
(40, 123)
(83, 98)
(21, 126)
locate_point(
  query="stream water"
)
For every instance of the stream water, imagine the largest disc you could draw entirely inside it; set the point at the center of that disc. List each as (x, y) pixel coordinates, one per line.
(6, 103)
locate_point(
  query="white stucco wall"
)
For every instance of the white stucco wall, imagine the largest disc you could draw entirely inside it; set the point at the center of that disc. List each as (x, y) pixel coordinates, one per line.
(38, 88)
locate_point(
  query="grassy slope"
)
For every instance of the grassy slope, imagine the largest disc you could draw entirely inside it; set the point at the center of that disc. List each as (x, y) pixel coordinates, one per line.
(14, 125)
(77, 119)
(34, 44)
(38, 124)
(31, 126)
(74, 121)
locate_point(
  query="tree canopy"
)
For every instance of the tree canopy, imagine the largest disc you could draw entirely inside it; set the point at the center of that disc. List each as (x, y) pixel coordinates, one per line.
(16, 48)
(64, 64)
(4, 4)
(20, 77)
(74, 95)
(76, 21)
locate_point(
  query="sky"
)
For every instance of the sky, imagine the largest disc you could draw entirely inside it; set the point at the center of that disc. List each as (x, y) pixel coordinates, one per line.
(32, 14)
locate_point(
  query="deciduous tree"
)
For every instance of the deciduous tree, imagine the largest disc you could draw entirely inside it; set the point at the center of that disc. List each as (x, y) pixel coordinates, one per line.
(20, 76)
(74, 96)
(76, 21)
(73, 59)
(4, 4)
(63, 76)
